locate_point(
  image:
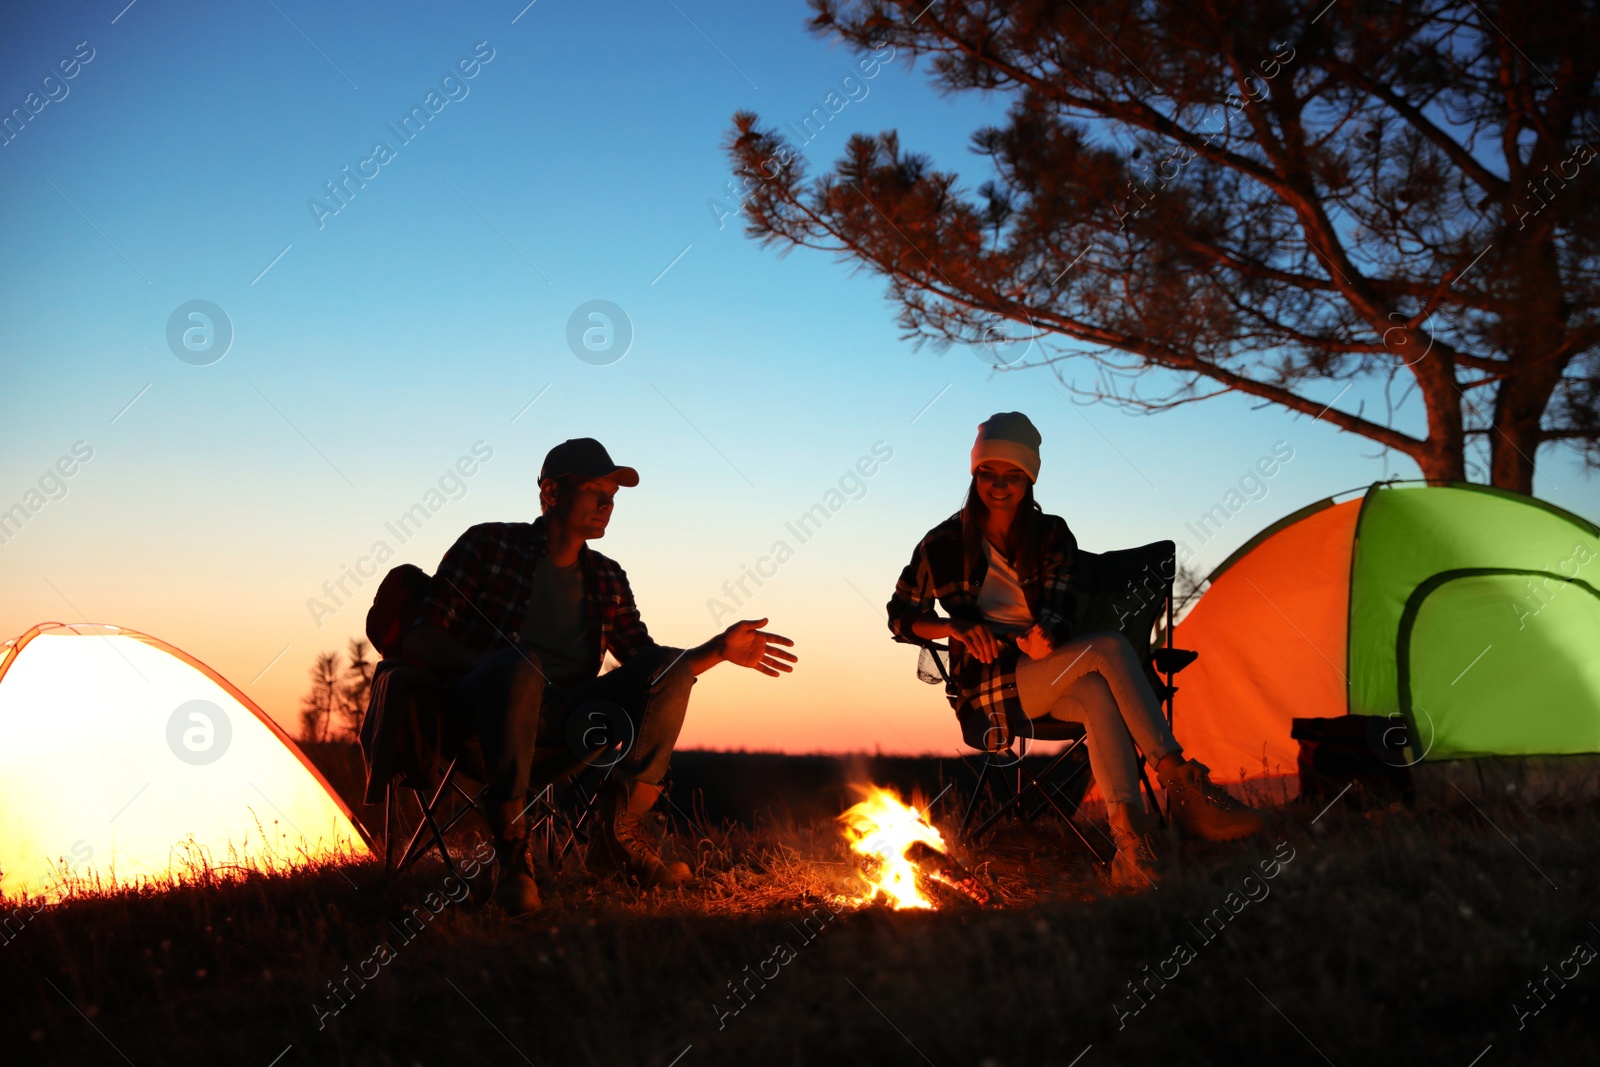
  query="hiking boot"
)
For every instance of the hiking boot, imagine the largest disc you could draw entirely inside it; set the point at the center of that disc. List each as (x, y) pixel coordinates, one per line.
(621, 844)
(514, 887)
(1200, 808)
(1133, 868)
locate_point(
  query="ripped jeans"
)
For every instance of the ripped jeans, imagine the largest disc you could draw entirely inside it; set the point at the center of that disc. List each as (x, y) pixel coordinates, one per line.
(1096, 680)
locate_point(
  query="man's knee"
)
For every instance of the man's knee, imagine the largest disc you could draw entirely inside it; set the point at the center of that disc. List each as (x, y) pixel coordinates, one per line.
(676, 679)
(514, 665)
(511, 678)
(527, 671)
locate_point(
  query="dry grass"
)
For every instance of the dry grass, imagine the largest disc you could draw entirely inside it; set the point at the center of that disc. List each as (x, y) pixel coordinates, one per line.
(1406, 938)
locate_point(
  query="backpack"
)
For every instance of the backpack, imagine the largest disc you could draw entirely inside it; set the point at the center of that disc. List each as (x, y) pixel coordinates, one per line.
(397, 600)
(1367, 751)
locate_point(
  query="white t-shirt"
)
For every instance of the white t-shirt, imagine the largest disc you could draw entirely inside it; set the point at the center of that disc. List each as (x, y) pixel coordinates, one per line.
(1000, 598)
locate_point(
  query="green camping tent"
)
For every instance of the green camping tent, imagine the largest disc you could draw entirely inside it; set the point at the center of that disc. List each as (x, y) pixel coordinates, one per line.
(1472, 613)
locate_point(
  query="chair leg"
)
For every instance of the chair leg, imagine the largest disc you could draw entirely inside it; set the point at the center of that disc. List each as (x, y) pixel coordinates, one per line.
(1171, 693)
(1044, 781)
(438, 839)
(1016, 787)
(558, 817)
(1048, 794)
(388, 827)
(539, 815)
(557, 829)
(462, 812)
(414, 843)
(1059, 791)
(427, 808)
(589, 800)
(1005, 806)
(972, 801)
(1144, 780)
(1065, 817)
(1026, 783)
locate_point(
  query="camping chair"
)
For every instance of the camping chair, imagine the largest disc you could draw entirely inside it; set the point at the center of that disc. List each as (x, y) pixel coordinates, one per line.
(565, 787)
(1128, 590)
(1124, 591)
(407, 730)
(415, 730)
(1007, 769)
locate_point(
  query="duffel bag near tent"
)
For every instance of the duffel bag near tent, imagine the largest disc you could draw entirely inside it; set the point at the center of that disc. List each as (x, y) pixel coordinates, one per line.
(1467, 614)
(124, 761)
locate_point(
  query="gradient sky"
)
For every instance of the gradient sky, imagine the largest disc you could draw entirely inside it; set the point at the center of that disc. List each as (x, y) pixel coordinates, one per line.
(426, 314)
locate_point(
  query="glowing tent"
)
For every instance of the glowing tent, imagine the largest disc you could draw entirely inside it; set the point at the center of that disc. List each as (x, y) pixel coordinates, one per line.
(123, 760)
(1470, 613)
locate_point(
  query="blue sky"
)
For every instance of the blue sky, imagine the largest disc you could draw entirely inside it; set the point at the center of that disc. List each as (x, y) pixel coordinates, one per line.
(371, 353)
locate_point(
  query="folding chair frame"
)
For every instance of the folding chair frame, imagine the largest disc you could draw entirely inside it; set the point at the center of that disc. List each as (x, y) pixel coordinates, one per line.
(1166, 661)
(1026, 782)
(551, 822)
(428, 822)
(547, 814)
(1022, 784)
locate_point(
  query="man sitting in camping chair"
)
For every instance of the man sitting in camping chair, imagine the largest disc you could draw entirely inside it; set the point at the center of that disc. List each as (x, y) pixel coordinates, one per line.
(523, 614)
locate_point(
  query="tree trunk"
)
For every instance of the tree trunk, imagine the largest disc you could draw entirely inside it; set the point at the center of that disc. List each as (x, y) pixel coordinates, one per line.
(1442, 456)
(1515, 437)
(1511, 458)
(1441, 466)
(1535, 326)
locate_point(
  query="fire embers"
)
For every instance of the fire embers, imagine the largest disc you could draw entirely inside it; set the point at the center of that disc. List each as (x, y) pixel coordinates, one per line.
(903, 857)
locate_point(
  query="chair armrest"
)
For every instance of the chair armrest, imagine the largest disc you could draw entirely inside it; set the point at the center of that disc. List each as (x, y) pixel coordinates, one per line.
(1173, 660)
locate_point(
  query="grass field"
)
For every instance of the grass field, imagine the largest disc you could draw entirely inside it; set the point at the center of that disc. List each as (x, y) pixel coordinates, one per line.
(1354, 939)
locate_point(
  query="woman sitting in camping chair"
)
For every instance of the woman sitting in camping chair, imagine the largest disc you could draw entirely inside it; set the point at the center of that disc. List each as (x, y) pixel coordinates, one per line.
(1000, 567)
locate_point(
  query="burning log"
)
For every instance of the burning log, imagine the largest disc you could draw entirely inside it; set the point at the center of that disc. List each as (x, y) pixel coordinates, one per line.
(900, 849)
(943, 868)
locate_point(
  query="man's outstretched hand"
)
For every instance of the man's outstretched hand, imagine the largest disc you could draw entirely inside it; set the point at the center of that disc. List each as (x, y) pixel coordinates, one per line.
(746, 644)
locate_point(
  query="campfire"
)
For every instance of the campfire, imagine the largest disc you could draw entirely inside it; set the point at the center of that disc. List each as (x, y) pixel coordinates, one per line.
(902, 855)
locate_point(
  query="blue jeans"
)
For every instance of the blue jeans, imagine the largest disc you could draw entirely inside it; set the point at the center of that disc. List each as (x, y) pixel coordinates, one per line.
(640, 705)
(1096, 680)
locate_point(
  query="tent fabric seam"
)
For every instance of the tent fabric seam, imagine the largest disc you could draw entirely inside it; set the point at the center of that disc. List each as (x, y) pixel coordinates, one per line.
(1413, 608)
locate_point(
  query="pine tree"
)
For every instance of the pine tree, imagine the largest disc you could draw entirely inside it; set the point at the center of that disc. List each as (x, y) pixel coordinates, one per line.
(357, 689)
(1258, 197)
(337, 702)
(321, 708)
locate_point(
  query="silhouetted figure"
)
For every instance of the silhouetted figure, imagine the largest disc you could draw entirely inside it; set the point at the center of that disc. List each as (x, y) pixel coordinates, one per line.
(524, 613)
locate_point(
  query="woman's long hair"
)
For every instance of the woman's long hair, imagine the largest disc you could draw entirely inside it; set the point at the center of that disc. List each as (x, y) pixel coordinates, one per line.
(1022, 541)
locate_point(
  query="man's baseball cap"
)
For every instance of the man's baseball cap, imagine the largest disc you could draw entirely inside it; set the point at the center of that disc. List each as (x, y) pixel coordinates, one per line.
(586, 458)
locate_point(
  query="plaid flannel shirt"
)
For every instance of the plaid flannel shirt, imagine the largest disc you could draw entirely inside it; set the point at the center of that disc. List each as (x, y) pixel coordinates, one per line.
(986, 700)
(480, 593)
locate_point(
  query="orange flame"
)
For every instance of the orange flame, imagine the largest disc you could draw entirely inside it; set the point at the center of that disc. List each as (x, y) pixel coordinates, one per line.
(881, 829)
